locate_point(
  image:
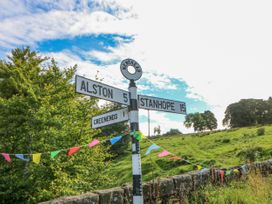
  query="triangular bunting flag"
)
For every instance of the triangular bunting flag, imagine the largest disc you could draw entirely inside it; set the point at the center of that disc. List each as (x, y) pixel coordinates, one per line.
(222, 173)
(54, 153)
(236, 171)
(7, 157)
(228, 172)
(73, 150)
(36, 158)
(164, 153)
(21, 156)
(198, 167)
(175, 158)
(93, 143)
(152, 147)
(115, 139)
(138, 135)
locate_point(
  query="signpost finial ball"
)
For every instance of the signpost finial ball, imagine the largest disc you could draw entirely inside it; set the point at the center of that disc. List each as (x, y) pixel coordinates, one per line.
(125, 64)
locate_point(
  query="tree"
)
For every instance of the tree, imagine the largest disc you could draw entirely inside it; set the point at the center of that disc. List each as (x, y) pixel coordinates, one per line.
(248, 112)
(201, 121)
(40, 112)
(173, 132)
(157, 130)
(116, 129)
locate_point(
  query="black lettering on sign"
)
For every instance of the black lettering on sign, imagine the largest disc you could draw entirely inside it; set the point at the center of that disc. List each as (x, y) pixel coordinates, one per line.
(183, 107)
(83, 87)
(94, 89)
(125, 97)
(173, 106)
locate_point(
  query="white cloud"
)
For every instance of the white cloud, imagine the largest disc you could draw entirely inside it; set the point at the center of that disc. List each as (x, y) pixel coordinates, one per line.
(161, 119)
(221, 49)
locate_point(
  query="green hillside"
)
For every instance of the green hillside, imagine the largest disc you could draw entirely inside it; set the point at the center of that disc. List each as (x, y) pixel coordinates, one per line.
(221, 149)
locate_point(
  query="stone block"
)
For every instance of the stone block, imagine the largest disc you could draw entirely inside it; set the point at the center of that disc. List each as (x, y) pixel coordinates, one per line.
(87, 198)
(111, 196)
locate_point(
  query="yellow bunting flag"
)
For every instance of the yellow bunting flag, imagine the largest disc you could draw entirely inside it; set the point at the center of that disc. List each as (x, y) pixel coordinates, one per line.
(198, 167)
(236, 171)
(36, 158)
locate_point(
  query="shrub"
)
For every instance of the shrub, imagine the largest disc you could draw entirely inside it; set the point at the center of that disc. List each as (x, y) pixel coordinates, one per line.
(260, 131)
(251, 154)
(225, 140)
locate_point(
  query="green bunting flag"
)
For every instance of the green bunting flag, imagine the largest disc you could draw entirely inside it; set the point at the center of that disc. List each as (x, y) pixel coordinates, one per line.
(54, 154)
(138, 135)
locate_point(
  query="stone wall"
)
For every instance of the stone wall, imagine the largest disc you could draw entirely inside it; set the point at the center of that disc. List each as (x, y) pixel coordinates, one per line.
(174, 188)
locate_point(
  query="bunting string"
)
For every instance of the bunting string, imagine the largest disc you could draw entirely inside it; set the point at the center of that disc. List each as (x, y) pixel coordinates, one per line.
(36, 157)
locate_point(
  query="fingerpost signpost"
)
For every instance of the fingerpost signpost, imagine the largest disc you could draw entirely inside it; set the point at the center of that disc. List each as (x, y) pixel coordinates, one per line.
(134, 101)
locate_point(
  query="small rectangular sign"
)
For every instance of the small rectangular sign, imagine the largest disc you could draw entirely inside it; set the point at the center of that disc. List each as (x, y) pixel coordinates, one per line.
(160, 104)
(100, 90)
(110, 118)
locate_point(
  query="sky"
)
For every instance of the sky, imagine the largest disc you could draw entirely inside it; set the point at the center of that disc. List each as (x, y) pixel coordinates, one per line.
(208, 54)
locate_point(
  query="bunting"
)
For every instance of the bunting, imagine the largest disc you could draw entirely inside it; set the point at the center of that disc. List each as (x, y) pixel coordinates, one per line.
(222, 172)
(73, 150)
(199, 167)
(36, 158)
(138, 135)
(54, 154)
(21, 156)
(115, 139)
(93, 143)
(7, 157)
(164, 153)
(175, 158)
(152, 147)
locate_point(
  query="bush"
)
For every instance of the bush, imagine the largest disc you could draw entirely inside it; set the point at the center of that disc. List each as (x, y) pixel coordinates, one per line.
(251, 154)
(260, 131)
(225, 140)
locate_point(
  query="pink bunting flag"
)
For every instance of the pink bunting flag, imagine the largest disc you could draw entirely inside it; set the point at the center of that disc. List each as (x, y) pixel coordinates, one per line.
(73, 150)
(164, 153)
(6, 156)
(93, 143)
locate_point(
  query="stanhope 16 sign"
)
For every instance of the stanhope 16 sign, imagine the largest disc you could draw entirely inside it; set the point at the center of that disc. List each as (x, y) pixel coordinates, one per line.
(160, 104)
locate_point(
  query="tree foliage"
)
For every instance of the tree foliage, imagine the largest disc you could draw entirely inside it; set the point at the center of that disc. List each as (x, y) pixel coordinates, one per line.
(116, 129)
(248, 112)
(40, 112)
(201, 121)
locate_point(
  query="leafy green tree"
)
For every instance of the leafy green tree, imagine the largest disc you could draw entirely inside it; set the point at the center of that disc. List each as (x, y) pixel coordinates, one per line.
(173, 132)
(116, 129)
(40, 112)
(201, 121)
(210, 120)
(248, 112)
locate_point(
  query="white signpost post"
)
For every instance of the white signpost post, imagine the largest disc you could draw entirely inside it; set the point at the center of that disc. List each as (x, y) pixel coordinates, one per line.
(133, 101)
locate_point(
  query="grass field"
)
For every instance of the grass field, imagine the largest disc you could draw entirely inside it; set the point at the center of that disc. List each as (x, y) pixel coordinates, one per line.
(220, 149)
(254, 189)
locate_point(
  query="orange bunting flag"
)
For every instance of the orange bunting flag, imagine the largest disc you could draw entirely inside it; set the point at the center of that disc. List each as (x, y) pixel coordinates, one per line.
(36, 158)
(222, 175)
(175, 158)
(73, 150)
